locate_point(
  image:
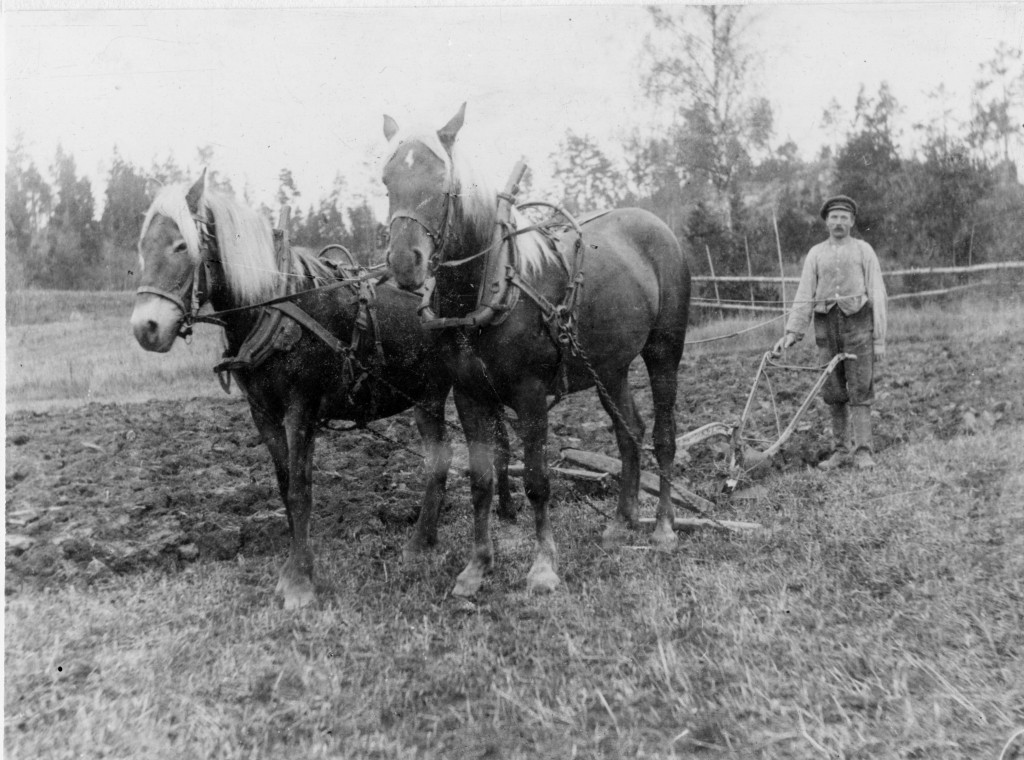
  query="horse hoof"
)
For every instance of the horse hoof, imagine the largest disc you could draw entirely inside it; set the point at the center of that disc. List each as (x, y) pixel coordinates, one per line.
(468, 582)
(615, 534)
(296, 594)
(413, 551)
(296, 599)
(507, 514)
(664, 539)
(542, 581)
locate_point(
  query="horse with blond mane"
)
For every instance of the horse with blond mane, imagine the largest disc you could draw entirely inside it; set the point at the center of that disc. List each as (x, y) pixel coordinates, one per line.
(634, 302)
(199, 250)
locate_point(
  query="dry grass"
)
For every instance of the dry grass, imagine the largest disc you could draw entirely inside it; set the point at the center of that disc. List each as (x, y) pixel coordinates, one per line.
(81, 349)
(33, 307)
(870, 620)
(72, 347)
(876, 617)
(992, 312)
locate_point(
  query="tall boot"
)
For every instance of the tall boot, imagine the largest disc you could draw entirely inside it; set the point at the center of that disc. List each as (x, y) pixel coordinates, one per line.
(840, 438)
(862, 437)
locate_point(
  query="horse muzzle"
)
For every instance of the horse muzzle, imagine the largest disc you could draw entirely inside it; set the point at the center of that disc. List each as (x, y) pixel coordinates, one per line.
(410, 267)
(155, 322)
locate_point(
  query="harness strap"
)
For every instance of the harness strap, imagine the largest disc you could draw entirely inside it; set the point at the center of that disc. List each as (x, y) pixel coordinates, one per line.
(165, 294)
(290, 297)
(296, 312)
(493, 287)
(547, 308)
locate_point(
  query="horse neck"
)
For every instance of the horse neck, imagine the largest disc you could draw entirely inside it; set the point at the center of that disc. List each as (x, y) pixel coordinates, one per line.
(457, 286)
(306, 273)
(236, 325)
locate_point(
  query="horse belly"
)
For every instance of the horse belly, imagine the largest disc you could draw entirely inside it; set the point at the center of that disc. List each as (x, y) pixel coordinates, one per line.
(616, 315)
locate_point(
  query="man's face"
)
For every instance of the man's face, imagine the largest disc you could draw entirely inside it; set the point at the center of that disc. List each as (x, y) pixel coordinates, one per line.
(839, 223)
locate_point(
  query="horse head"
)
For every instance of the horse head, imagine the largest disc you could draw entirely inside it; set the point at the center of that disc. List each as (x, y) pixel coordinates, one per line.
(421, 186)
(169, 255)
(198, 247)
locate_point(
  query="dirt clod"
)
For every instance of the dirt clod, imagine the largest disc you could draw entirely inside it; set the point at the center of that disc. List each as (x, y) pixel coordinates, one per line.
(136, 486)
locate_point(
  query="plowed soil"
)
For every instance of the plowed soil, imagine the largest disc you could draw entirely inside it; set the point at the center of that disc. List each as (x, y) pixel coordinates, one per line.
(116, 488)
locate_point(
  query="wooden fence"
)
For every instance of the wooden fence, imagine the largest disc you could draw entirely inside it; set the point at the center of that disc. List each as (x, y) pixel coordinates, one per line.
(724, 305)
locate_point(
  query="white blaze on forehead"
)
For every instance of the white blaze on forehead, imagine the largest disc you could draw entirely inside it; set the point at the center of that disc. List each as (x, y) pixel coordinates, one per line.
(423, 138)
(410, 157)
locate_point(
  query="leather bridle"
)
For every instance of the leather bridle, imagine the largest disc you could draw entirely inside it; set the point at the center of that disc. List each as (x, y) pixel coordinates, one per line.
(195, 287)
(438, 235)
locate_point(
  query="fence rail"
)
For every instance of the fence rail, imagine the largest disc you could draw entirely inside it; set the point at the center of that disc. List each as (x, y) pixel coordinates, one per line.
(891, 273)
(718, 303)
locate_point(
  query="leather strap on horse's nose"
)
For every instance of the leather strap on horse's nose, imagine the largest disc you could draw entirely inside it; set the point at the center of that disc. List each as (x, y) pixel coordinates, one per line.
(438, 237)
(165, 294)
(435, 237)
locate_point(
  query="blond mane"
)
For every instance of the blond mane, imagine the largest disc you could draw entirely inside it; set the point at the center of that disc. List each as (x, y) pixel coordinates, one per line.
(478, 195)
(245, 242)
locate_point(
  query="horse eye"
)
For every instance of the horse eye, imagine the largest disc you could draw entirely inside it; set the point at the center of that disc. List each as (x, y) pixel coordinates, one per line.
(181, 247)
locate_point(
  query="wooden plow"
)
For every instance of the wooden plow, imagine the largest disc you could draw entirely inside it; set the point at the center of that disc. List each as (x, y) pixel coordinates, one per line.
(746, 455)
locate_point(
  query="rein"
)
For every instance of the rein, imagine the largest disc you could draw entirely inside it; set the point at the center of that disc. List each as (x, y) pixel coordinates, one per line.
(279, 324)
(199, 295)
(214, 317)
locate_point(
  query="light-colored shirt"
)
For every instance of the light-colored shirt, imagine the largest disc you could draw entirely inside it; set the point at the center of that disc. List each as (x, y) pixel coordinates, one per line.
(846, 276)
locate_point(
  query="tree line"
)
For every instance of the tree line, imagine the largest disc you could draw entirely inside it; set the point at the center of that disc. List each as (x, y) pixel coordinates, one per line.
(710, 171)
(53, 240)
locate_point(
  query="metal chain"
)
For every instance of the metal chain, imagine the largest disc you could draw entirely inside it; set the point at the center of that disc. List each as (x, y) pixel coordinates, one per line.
(376, 434)
(577, 350)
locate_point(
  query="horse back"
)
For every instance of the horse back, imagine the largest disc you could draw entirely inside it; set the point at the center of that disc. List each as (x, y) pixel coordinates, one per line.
(636, 284)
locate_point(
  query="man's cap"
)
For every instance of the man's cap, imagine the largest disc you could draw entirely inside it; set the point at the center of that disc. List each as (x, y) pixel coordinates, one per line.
(841, 202)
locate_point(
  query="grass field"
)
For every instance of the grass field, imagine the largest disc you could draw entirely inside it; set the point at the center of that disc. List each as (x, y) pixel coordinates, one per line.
(70, 347)
(873, 617)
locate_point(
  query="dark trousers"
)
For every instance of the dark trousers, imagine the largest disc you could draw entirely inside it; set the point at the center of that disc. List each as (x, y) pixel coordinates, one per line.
(835, 333)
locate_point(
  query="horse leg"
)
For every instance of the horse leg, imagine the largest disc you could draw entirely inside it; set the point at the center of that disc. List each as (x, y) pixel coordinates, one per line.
(532, 410)
(629, 433)
(296, 579)
(437, 453)
(274, 438)
(662, 357)
(502, 454)
(477, 423)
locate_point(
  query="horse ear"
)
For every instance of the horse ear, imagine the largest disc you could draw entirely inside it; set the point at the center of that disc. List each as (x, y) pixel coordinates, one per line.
(448, 132)
(390, 127)
(195, 193)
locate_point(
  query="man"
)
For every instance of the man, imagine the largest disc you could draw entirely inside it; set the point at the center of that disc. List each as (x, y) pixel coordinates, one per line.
(841, 287)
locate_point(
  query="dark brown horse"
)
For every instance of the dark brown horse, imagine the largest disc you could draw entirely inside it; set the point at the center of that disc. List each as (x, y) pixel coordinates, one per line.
(634, 302)
(199, 247)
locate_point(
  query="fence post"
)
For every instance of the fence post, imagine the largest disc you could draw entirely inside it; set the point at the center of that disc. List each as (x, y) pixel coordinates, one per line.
(970, 247)
(782, 269)
(750, 271)
(718, 300)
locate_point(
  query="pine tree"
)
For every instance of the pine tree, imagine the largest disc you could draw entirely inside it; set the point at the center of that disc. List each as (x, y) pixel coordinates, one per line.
(72, 245)
(27, 205)
(125, 204)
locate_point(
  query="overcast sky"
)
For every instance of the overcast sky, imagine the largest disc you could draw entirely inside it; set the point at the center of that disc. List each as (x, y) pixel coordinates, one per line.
(306, 89)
